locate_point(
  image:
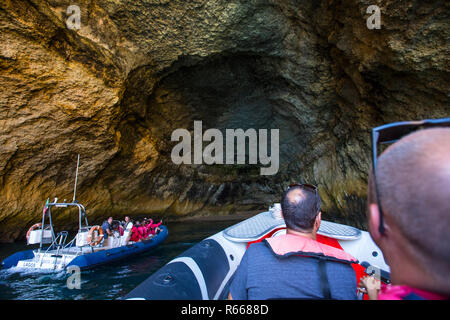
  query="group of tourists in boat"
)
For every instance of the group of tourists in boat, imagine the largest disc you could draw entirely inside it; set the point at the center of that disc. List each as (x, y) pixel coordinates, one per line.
(130, 230)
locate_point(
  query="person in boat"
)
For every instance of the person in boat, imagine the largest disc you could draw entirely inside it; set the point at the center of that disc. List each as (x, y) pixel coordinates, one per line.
(142, 230)
(127, 224)
(137, 232)
(413, 185)
(127, 227)
(153, 228)
(156, 227)
(107, 229)
(134, 235)
(146, 228)
(116, 233)
(116, 228)
(295, 265)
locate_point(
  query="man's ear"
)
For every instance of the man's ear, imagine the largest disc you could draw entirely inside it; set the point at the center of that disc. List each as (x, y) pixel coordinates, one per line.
(318, 221)
(374, 222)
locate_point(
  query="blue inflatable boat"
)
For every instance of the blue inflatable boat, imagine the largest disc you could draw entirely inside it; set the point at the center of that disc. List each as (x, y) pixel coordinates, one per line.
(86, 250)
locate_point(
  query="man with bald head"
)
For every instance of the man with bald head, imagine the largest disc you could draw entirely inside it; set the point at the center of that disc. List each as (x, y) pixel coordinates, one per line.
(413, 182)
(295, 265)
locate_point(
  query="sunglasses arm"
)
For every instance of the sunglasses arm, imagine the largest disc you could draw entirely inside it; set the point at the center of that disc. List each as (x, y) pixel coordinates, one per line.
(375, 135)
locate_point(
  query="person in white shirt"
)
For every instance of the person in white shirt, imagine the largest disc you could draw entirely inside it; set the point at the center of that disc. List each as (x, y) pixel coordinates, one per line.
(127, 226)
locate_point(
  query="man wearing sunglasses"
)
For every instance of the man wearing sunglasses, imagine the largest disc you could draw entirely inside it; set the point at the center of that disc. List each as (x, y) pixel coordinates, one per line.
(409, 207)
(295, 265)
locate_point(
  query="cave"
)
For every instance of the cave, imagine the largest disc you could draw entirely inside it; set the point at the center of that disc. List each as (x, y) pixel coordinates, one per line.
(114, 90)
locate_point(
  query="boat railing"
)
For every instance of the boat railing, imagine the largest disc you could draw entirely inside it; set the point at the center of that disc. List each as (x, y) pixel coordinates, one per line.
(59, 242)
(70, 243)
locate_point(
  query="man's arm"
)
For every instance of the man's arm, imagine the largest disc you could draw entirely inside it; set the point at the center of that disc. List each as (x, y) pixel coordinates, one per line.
(239, 284)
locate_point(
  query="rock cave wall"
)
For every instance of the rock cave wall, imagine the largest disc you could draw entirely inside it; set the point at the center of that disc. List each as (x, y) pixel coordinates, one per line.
(115, 89)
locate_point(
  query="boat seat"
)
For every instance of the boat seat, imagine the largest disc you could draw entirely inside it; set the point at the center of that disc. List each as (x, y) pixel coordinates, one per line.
(262, 224)
(253, 228)
(338, 231)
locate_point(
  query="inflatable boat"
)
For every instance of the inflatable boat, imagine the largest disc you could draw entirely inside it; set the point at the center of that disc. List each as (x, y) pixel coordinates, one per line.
(86, 250)
(205, 271)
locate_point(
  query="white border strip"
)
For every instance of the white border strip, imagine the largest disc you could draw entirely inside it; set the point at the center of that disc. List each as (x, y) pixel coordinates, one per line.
(229, 247)
(197, 272)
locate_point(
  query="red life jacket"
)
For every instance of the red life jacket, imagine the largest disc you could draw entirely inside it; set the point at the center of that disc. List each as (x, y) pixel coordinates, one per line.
(290, 244)
(147, 230)
(141, 230)
(154, 226)
(134, 234)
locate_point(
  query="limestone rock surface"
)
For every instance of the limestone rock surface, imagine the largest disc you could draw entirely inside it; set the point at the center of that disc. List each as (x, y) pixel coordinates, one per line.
(114, 90)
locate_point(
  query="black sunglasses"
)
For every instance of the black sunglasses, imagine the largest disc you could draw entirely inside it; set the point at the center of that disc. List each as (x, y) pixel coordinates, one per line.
(311, 187)
(390, 133)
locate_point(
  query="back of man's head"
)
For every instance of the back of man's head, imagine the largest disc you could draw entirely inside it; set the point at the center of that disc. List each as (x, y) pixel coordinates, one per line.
(413, 179)
(300, 207)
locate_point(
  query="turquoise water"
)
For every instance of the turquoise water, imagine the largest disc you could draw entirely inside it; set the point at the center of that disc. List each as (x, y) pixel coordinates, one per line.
(105, 282)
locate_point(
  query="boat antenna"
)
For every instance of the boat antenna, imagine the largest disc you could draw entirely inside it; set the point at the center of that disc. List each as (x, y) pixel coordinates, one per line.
(76, 179)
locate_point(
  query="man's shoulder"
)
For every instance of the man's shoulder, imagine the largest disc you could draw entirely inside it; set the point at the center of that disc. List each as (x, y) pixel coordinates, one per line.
(258, 249)
(256, 255)
(257, 246)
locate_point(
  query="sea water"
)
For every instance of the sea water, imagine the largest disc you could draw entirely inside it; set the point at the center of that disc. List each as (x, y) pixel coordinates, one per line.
(112, 281)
